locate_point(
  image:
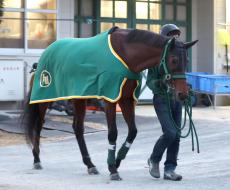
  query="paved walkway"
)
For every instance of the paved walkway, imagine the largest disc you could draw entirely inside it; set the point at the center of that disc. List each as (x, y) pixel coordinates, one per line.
(63, 168)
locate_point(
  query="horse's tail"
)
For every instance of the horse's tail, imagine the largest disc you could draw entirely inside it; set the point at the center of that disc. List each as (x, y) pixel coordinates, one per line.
(30, 118)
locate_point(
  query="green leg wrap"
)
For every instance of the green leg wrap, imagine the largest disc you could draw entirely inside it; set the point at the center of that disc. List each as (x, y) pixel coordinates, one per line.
(123, 151)
(111, 155)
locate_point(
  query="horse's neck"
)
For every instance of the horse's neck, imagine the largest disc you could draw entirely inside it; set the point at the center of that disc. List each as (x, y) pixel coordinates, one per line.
(137, 56)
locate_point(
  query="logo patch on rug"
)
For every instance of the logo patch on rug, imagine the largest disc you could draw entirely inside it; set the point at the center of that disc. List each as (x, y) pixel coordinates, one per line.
(45, 78)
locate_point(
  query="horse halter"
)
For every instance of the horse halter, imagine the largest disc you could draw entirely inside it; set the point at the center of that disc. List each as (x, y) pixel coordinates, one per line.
(163, 63)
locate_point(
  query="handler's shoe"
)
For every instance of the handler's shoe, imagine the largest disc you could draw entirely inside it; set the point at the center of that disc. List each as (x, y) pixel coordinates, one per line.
(171, 175)
(154, 168)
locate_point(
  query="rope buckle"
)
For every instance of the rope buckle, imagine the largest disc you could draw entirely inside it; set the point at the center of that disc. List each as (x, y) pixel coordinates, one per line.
(167, 77)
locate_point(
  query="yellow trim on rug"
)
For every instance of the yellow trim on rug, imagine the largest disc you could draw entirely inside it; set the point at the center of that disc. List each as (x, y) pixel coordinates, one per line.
(114, 53)
(82, 97)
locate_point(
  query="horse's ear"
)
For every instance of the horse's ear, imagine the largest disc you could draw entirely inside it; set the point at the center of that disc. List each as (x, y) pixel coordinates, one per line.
(187, 45)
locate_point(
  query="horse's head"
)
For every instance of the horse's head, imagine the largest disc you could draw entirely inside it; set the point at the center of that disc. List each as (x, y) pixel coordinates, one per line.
(173, 67)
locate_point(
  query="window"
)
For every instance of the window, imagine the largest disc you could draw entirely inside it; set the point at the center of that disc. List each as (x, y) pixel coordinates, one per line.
(106, 8)
(152, 14)
(116, 10)
(28, 24)
(41, 29)
(140, 14)
(11, 31)
(148, 15)
(148, 9)
(109, 8)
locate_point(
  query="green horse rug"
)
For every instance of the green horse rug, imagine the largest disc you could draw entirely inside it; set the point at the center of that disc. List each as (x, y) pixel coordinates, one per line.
(81, 68)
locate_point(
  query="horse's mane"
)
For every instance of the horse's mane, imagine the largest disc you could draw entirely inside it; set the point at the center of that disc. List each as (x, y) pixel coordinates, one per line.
(147, 37)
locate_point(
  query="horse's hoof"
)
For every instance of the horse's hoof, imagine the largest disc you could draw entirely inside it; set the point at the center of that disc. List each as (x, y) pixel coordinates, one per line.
(115, 177)
(37, 166)
(93, 171)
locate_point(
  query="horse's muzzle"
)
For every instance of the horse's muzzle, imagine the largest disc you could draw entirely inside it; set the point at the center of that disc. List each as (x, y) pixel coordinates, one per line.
(182, 96)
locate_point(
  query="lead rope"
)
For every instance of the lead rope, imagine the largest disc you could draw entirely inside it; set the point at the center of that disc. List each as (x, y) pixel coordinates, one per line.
(187, 112)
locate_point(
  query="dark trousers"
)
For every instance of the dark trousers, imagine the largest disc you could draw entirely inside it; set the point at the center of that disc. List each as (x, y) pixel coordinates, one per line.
(170, 139)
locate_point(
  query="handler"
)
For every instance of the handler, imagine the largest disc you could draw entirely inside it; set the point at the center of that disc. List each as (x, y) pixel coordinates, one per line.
(170, 139)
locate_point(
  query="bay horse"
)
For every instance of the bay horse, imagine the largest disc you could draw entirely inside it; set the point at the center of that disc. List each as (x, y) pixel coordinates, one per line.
(138, 50)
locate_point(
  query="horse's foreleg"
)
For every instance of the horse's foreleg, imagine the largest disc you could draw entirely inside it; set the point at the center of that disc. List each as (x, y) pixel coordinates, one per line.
(110, 110)
(37, 132)
(127, 106)
(78, 127)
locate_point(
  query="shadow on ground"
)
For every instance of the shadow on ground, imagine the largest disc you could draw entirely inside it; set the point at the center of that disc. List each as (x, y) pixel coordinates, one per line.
(61, 125)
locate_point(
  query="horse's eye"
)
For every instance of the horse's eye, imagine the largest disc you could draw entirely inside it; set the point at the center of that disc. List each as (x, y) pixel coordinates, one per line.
(175, 61)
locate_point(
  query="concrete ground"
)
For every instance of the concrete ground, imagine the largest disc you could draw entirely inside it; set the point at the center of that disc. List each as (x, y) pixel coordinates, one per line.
(63, 167)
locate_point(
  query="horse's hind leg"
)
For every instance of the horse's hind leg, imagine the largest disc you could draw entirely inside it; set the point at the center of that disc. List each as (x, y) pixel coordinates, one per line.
(37, 132)
(78, 127)
(110, 110)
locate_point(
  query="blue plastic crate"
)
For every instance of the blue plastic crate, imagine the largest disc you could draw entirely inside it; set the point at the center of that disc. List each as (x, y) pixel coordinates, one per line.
(192, 79)
(216, 84)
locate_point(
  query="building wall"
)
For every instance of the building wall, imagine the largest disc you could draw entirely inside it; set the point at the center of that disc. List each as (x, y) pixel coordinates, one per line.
(208, 17)
(194, 35)
(205, 34)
